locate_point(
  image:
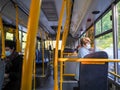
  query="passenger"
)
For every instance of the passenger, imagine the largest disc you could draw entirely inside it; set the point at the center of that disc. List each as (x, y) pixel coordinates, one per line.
(83, 50)
(2, 71)
(85, 47)
(13, 67)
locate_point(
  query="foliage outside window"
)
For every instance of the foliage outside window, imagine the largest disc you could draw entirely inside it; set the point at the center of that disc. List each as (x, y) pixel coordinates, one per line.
(118, 6)
(104, 24)
(107, 22)
(105, 43)
(98, 28)
(118, 9)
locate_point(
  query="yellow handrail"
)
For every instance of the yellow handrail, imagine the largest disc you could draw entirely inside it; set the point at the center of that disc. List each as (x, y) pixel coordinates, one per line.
(87, 60)
(68, 12)
(30, 45)
(113, 73)
(68, 74)
(70, 54)
(65, 33)
(57, 43)
(18, 48)
(3, 39)
(61, 74)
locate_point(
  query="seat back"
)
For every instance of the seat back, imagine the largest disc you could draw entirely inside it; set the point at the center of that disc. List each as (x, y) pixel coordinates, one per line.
(94, 76)
(2, 71)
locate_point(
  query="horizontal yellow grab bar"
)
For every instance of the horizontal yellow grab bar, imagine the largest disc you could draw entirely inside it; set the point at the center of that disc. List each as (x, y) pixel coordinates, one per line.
(68, 74)
(87, 60)
(113, 73)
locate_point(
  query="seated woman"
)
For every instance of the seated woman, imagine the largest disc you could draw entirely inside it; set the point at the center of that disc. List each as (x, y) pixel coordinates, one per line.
(85, 47)
(83, 50)
(13, 67)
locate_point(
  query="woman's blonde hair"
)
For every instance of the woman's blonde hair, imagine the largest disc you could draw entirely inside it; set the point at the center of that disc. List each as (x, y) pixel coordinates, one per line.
(84, 41)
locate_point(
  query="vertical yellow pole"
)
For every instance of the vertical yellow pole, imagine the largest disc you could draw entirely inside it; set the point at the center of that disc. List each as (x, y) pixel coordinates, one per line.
(3, 38)
(61, 74)
(56, 49)
(30, 45)
(66, 28)
(61, 63)
(18, 49)
(63, 37)
(68, 9)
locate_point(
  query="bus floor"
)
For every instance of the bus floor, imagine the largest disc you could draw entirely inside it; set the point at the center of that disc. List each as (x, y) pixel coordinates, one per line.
(48, 84)
(45, 83)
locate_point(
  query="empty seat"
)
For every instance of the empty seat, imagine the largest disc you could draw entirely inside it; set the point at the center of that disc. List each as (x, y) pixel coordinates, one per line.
(94, 76)
(2, 71)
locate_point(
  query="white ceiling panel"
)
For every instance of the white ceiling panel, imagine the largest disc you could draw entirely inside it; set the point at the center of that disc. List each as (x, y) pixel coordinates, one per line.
(83, 11)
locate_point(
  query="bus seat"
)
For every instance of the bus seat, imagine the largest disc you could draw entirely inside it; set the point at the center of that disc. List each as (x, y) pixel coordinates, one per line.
(94, 76)
(68, 50)
(2, 71)
(39, 56)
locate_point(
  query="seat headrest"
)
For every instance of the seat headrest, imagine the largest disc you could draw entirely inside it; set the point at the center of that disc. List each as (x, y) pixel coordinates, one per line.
(98, 54)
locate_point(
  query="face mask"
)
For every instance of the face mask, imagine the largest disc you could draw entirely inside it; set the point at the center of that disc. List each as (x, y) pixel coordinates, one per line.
(88, 46)
(8, 53)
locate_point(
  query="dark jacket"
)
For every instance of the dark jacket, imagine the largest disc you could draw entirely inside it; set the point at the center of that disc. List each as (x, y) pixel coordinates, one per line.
(14, 69)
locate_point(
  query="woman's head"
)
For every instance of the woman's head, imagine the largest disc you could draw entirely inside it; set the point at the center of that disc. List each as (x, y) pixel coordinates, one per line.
(85, 42)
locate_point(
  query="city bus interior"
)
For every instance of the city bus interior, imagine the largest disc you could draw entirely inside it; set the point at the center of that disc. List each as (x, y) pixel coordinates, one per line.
(53, 28)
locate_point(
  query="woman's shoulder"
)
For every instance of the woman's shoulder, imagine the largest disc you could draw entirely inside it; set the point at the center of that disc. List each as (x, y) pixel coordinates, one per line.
(82, 49)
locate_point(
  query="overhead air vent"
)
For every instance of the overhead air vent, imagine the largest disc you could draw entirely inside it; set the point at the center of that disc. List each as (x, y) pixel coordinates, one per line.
(95, 12)
(55, 28)
(49, 9)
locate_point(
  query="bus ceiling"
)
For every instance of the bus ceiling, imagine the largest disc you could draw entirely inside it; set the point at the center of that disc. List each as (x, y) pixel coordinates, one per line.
(81, 18)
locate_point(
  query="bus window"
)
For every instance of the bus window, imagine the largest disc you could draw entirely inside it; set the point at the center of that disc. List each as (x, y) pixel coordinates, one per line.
(105, 43)
(23, 46)
(38, 45)
(98, 27)
(9, 36)
(24, 41)
(118, 6)
(20, 36)
(107, 22)
(118, 9)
